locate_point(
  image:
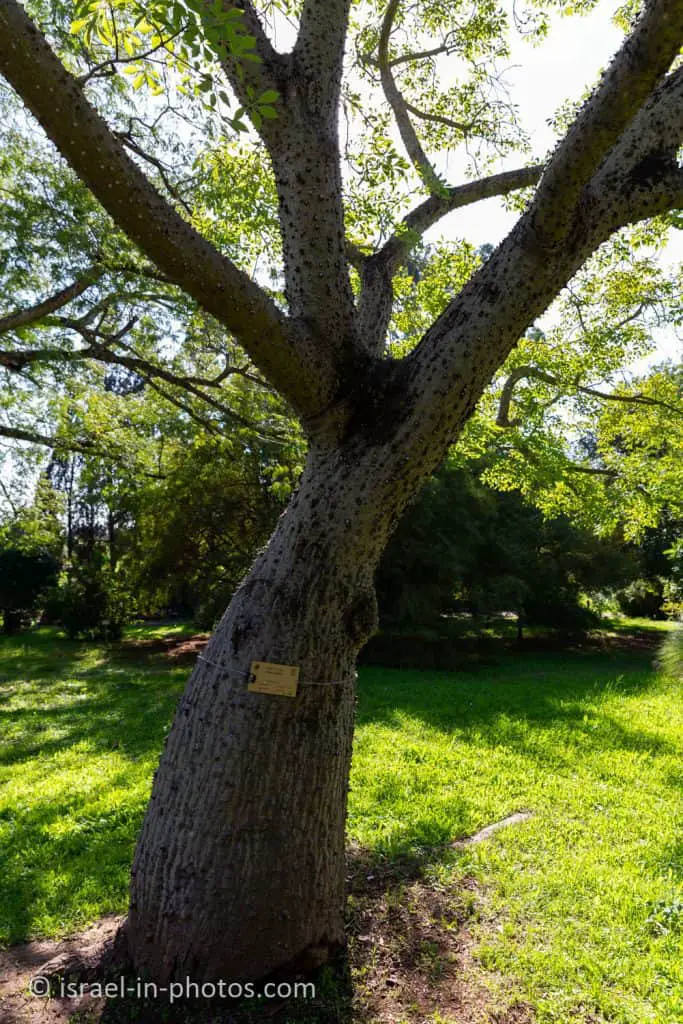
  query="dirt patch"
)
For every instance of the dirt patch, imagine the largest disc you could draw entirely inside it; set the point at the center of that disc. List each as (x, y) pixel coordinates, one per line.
(20, 964)
(182, 650)
(411, 947)
(640, 641)
(410, 957)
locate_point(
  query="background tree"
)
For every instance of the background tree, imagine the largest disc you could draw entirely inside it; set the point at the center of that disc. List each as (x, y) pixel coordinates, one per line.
(465, 547)
(240, 865)
(30, 548)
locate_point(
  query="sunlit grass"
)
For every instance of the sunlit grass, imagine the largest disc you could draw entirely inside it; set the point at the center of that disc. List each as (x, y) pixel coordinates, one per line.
(582, 905)
(579, 908)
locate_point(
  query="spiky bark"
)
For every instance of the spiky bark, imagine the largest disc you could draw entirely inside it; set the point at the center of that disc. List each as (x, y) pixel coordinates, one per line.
(239, 868)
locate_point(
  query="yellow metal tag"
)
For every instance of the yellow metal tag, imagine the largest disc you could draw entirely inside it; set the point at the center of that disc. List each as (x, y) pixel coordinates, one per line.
(267, 677)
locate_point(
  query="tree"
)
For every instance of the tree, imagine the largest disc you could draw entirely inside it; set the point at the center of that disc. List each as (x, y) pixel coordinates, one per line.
(24, 577)
(240, 865)
(467, 547)
(30, 545)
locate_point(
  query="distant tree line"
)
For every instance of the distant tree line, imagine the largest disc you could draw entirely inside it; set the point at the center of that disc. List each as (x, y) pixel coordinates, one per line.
(97, 547)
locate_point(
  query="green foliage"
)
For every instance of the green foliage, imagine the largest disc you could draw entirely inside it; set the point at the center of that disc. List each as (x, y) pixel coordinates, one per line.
(187, 37)
(641, 599)
(91, 602)
(466, 547)
(197, 530)
(673, 585)
(30, 546)
(24, 579)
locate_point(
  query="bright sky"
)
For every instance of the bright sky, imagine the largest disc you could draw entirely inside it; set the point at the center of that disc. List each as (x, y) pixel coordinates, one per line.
(540, 79)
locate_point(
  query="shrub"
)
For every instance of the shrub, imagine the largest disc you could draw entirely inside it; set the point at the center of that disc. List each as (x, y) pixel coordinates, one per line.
(91, 603)
(641, 599)
(560, 610)
(24, 577)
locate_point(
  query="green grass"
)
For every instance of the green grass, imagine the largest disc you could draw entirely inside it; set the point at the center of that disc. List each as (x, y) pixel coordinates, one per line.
(579, 910)
(629, 624)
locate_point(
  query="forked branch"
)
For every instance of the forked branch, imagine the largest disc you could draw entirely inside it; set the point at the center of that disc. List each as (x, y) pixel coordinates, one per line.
(283, 353)
(378, 270)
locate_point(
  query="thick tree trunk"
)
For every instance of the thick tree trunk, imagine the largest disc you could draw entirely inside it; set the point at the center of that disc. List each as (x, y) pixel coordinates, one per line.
(240, 865)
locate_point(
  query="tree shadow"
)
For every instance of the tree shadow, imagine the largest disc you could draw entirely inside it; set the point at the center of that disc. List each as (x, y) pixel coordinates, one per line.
(503, 704)
(62, 845)
(124, 704)
(405, 959)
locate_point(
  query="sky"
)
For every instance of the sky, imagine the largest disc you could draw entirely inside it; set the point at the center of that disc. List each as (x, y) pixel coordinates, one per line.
(540, 79)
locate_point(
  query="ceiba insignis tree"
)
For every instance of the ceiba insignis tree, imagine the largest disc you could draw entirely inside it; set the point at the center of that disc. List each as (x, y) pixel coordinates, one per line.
(240, 865)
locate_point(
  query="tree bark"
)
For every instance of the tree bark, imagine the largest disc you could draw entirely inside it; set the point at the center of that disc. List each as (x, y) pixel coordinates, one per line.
(240, 865)
(239, 868)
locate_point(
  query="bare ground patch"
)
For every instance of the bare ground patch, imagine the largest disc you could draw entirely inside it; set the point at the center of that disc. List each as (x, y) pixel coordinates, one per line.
(411, 948)
(409, 958)
(180, 650)
(19, 964)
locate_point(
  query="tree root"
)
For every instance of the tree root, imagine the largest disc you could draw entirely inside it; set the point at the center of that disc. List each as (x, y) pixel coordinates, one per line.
(512, 819)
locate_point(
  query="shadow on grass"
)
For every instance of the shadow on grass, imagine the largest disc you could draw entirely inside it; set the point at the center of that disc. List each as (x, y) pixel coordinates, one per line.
(80, 734)
(524, 691)
(407, 948)
(69, 694)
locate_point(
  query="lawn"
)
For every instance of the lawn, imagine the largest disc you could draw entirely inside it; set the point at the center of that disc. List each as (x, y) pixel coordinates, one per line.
(577, 913)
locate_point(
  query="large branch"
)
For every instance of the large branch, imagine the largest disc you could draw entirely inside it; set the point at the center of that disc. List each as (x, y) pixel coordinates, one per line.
(286, 357)
(637, 177)
(319, 52)
(302, 142)
(643, 60)
(251, 79)
(642, 176)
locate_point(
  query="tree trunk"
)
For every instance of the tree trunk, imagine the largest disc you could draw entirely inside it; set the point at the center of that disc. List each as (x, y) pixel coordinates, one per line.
(240, 865)
(11, 621)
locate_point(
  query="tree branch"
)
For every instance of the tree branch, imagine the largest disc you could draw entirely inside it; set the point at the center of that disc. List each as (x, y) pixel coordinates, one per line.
(319, 52)
(457, 357)
(642, 176)
(249, 78)
(643, 60)
(534, 373)
(424, 115)
(33, 314)
(85, 446)
(377, 270)
(35, 437)
(409, 58)
(99, 350)
(286, 356)
(429, 212)
(399, 106)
